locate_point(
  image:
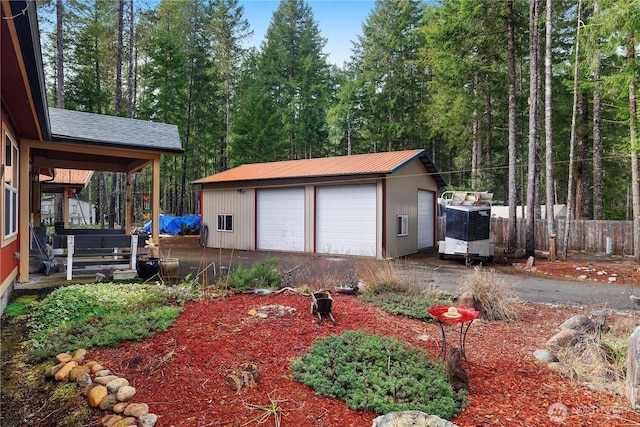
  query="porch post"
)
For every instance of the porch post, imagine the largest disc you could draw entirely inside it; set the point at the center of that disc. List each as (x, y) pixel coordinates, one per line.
(155, 200)
(36, 197)
(24, 213)
(127, 205)
(65, 207)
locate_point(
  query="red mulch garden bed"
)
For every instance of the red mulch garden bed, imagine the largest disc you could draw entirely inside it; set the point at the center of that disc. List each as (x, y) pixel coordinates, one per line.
(181, 373)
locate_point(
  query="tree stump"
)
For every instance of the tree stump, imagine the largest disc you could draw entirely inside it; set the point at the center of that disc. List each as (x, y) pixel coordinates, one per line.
(456, 374)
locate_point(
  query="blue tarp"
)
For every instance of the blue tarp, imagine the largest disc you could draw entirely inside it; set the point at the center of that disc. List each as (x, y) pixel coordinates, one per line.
(170, 224)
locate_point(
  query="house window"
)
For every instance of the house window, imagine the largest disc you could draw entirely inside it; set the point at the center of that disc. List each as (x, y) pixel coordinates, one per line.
(10, 194)
(225, 222)
(402, 225)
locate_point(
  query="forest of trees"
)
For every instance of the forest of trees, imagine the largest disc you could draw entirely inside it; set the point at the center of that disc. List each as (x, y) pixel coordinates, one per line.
(533, 100)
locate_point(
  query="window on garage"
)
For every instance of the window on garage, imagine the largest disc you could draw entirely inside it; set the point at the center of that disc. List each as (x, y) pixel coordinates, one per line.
(402, 226)
(225, 222)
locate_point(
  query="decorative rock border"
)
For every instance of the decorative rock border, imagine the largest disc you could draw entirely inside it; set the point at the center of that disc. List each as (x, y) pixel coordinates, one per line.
(103, 390)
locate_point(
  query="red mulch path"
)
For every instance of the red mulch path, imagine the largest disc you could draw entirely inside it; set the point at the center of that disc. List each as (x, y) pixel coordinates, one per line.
(181, 373)
(616, 273)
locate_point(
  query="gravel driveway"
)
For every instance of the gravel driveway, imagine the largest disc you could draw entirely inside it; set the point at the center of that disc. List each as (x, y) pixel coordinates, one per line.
(424, 269)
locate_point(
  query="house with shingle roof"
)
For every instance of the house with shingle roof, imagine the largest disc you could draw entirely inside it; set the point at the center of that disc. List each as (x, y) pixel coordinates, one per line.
(35, 140)
(374, 205)
(69, 182)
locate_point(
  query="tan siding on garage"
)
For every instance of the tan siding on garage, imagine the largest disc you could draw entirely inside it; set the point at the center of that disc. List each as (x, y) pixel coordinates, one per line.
(402, 199)
(240, 204)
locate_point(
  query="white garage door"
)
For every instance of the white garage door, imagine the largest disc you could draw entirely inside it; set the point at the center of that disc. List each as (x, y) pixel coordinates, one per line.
(281, 219)
(346, 220)
(426, 200)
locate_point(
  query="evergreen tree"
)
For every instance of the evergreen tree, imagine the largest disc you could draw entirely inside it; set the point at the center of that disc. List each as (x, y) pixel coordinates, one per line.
(393, 80)
(91, 28)
(256, 124)
(229, 30)
(165, 82)
(467, 52)
(296, 71)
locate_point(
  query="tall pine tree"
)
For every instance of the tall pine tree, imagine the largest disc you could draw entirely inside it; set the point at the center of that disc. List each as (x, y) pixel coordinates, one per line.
(296, 71)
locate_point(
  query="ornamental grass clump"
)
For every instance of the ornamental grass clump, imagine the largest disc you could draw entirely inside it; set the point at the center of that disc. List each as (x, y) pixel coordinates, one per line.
(371, 372)
(381, 277)
(495, 296)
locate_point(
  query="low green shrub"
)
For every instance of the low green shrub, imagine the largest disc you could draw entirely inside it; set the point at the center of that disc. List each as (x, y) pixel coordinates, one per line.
(101, 314)
(370, 372)
(409, 303)
(262, 275)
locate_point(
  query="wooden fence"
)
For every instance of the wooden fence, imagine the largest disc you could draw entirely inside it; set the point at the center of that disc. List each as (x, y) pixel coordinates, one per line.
(584, 235)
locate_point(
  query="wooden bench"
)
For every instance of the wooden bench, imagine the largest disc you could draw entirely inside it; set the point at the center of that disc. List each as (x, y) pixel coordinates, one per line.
(89, 231)
(97, 250)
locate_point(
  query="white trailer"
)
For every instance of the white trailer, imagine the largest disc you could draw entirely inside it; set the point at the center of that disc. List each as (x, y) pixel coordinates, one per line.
(468, 226)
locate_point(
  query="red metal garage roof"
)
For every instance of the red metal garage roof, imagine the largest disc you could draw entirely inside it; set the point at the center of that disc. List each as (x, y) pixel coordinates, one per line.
(358, 164)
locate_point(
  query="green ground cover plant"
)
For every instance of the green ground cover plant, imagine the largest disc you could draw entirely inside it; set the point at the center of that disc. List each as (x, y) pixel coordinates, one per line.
(371, 372)
(101, 314)
(21, 305)
(409, 303)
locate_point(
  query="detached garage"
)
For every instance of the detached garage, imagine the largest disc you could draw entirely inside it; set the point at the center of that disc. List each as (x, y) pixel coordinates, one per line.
(376, 205)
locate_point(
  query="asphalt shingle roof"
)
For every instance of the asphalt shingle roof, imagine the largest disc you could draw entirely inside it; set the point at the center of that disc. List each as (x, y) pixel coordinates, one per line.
(77, 126)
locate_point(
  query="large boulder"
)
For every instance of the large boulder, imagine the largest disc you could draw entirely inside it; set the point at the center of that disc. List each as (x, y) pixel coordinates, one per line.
(579, 322)
(470, 300)
(564, 338)
(410, 419)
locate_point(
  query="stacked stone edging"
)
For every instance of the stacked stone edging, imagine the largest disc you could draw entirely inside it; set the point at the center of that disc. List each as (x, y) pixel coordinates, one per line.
(103, 391)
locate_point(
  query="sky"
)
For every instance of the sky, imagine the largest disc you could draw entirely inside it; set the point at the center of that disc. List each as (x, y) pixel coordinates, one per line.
(339, 21)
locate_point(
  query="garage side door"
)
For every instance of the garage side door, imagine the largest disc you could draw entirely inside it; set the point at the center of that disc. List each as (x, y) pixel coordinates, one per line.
(346, 220)
(280, 219)
(426, 200)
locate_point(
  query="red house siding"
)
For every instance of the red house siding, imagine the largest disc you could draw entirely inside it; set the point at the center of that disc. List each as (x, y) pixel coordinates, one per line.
(8, 261)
